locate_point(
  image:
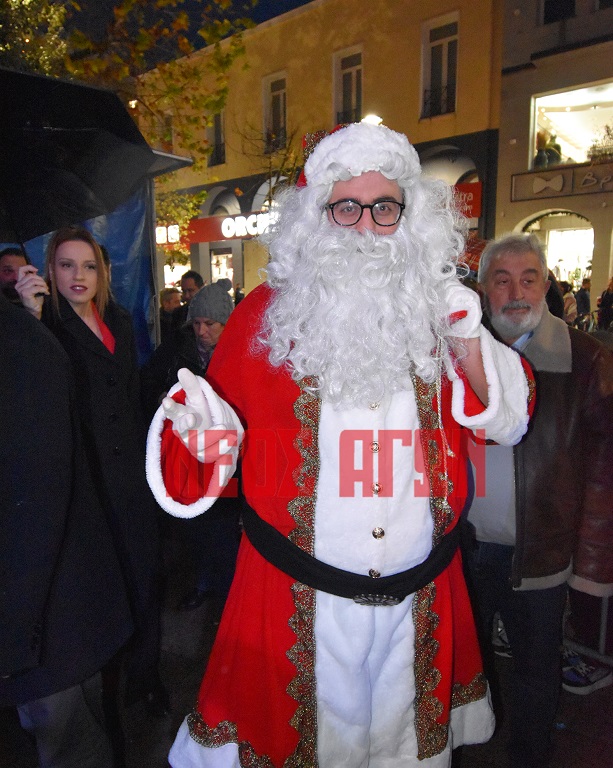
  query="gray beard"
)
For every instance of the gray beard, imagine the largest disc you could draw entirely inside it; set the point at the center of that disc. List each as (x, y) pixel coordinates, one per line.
(508, 328)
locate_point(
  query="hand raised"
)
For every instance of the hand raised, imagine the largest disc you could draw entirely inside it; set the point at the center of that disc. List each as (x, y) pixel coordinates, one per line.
(194, 424)
(195, 414)
(464, 311)
(31, 289)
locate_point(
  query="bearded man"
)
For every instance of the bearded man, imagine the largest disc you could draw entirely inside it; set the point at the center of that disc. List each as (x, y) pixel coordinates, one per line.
(354, 384)
(545, 520)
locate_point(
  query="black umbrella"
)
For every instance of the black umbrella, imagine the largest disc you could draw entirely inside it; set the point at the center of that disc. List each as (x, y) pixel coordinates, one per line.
(68, 152)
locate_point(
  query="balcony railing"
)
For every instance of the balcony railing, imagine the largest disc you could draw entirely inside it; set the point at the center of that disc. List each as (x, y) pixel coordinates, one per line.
(438, 101)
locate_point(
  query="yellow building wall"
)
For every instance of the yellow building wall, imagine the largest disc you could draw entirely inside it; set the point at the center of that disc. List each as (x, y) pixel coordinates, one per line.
(301, 44)
(255, 258)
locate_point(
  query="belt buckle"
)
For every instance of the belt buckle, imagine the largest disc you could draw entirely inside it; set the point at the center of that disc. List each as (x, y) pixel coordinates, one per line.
(376, 600)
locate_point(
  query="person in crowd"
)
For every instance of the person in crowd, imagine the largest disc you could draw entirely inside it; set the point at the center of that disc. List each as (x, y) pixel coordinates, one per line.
(191, 282)
(605, 308)
(97, 334)
(154, 372)
(582, 297)
(554, 297)
(570, 303)
(213, 537)
(239, 295)
(11, 258)
(543, 518)
(208, 313)
(170, 299)
(353, 369)
(64, 610)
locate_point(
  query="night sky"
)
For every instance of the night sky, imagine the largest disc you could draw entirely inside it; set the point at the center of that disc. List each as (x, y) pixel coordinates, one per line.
(95, 14)
(268, 9)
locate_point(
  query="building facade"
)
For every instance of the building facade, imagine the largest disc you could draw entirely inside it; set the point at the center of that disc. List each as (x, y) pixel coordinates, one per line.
(555, 172)
(430, 70)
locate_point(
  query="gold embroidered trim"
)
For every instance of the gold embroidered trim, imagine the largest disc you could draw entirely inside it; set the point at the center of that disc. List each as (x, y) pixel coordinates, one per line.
(307, 409)
(302, 654)
(466, 694)
(310, 141)
(431, 735)
(433, 445)
(302, 687)
(225, 733)
(302, 509)
(531, 388)
(425, 395)
(443, 516)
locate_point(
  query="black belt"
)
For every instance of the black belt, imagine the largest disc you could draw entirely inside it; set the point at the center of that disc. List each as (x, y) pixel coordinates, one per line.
(366, 590)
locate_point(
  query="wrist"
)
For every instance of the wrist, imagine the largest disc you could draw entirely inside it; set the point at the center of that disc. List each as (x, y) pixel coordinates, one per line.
(36, 311)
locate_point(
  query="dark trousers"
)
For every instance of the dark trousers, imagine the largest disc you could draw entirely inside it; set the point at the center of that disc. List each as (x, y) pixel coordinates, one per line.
(68, 727)
(214, 538)
(533, 622)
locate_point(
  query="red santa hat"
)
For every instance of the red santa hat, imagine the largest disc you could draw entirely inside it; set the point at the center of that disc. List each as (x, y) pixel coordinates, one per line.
(360, 147)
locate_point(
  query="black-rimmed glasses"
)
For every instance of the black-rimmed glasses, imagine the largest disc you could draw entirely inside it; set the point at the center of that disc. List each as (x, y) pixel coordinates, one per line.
(385, 213)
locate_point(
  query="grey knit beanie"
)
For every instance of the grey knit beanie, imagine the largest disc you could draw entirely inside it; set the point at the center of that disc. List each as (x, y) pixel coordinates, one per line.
(212, 301)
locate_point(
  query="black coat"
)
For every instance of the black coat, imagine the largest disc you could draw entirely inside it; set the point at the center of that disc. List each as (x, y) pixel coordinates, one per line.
(63, 605)
(108, 394)
(178, 350)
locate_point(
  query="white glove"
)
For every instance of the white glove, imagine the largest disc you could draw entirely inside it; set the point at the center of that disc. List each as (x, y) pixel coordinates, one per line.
(463, 310)
(193, 423)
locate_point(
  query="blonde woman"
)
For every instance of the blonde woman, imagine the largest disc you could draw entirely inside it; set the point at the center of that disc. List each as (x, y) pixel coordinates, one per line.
(74, 301)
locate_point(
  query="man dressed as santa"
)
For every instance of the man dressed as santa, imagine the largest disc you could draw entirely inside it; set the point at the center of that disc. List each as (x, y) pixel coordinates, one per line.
(350, 378)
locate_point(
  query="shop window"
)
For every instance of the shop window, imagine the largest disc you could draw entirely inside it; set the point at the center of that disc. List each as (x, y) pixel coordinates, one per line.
(439, 66)
(348, 86)
(221, 264)
(568, 124)
(275, 103)
(558, 10)
(215, 137)
(568, 239)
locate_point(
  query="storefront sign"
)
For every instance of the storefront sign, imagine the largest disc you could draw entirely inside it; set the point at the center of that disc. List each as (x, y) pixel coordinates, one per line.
(562, 182)
(245, 226)
(469, 198)
(215, 228)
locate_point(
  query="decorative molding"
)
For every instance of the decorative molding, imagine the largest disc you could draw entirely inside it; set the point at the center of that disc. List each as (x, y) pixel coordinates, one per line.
(563, 181)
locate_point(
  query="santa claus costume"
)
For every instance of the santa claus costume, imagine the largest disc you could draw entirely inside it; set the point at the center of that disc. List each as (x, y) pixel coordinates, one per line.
(347, 638)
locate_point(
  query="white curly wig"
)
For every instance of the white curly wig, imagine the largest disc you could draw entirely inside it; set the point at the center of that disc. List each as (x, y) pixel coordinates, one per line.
(360, 311)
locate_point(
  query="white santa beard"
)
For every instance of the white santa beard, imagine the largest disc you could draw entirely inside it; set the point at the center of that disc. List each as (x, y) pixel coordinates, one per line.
(357, 313)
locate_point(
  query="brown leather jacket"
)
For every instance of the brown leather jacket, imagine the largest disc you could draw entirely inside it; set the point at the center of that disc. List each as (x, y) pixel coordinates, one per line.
(564, 465)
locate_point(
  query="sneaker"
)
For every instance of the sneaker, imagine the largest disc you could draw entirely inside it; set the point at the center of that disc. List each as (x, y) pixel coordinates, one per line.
(580, 677)
(500, 641)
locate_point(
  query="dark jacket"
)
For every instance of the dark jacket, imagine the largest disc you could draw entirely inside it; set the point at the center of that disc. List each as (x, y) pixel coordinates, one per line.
(583, 301)
(160, 372)
(63, 606)
(187, 356)
(179, 317)
(564, 465)
(605, 310)
(114, 435)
